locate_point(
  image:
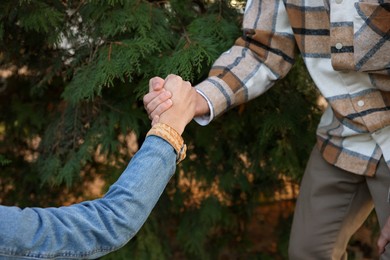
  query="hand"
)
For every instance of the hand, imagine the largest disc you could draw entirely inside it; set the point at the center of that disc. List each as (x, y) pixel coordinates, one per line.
(183, 103)
(157, 101)
(384, 237)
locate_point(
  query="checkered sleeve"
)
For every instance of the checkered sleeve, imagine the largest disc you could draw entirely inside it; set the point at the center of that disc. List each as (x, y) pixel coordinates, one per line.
(372, 37)
(262, 55)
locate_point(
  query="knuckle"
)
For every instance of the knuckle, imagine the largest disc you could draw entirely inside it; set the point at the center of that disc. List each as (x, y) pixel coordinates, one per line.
(152, 115)
(149, 108)
(161, 108)
(166, 105)
(174, 77)
(145, 100)
(163, 95)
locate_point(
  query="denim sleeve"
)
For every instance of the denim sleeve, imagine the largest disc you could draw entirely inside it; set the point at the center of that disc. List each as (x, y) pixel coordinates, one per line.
(93, 228)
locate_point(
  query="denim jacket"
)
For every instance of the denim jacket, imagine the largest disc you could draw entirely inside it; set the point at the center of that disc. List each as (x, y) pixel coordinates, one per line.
(93, 228)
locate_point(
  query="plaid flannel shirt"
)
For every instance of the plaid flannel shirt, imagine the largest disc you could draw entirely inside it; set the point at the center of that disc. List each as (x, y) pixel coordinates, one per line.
(346, 47)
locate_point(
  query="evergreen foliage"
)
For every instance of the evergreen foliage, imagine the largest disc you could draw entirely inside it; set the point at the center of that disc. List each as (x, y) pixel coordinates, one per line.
(73, 74)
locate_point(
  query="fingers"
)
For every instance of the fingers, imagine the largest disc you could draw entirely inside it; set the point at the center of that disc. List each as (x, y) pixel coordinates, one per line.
(384, 237)
(156, 84)
(175, 83)
(156, 103)
(172, 82)
(154, 98)
(382, 242)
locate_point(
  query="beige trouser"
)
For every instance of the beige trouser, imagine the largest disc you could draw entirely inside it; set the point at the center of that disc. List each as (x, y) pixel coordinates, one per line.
(332, 205)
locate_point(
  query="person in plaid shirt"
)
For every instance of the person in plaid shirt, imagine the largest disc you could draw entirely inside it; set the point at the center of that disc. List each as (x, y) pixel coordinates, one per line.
(346, 47)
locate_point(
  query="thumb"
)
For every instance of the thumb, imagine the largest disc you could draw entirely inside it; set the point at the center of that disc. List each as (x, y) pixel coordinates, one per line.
(156, 84)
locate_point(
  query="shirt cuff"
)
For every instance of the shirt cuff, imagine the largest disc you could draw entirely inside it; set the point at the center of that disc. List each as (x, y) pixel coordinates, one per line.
(172, 137)
(206, 119)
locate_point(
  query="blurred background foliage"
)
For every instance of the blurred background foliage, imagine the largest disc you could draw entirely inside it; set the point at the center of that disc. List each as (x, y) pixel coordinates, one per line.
(72, 78)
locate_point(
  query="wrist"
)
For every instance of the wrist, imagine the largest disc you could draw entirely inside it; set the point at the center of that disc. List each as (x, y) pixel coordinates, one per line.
(170, 135)
(174, 123)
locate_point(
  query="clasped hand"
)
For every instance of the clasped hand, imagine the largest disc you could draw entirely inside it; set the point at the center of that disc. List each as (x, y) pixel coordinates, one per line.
(171, 101)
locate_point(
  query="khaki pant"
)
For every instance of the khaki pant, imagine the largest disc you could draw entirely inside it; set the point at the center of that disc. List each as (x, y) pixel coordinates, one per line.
(332, 205)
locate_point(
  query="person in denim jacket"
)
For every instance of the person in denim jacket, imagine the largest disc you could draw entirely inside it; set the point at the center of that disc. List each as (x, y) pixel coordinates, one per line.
(345, 45)
(94, 228)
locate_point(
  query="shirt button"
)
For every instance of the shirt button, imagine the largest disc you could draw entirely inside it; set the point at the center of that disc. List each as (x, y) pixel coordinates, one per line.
(339, 46)
(360, 103)
(339, 1)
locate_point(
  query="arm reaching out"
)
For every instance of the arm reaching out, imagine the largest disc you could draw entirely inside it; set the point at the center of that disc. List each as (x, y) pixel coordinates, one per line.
(94, 228)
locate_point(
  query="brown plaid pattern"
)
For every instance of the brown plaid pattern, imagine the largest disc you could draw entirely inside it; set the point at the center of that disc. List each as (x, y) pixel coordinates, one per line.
(346, 47)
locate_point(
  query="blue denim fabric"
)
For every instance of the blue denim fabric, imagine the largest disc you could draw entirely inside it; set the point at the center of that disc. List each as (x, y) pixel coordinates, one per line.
(93, 228)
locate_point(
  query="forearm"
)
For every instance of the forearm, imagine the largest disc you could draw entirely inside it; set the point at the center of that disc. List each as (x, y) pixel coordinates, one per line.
(94, 228)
